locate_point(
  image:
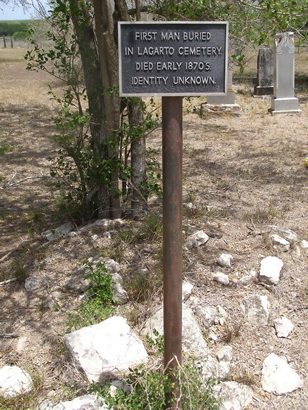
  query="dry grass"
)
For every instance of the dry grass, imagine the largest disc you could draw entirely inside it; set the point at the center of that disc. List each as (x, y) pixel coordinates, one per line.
(238, 172)
(231, 332)
(244, 377)
(20, 87)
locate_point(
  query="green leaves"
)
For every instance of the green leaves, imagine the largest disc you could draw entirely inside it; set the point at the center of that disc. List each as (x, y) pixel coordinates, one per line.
(253, 22)
(98, 304)
(145, 389)
(100, 284)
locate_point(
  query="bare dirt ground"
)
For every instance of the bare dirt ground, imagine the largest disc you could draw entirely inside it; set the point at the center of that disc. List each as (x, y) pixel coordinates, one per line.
(241, 175)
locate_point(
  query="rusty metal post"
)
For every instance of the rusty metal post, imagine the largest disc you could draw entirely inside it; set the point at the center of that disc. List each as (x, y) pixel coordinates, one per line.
(172, 236)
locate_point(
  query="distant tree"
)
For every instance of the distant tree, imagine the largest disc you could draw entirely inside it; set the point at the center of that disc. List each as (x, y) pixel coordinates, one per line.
(251, 22)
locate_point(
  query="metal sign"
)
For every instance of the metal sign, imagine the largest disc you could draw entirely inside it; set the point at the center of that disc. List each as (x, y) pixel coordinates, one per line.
(173, 58)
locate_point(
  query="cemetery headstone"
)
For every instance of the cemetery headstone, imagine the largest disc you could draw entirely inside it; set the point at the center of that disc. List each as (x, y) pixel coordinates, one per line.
(228, 98)
(284, 100)
(264, 84)
(224, 102)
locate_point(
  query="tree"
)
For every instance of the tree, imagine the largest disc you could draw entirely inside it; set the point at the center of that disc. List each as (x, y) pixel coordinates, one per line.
(250, 21)
(99, 163)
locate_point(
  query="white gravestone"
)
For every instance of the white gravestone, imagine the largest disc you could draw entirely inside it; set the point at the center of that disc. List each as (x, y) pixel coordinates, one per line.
(228, 98)
(284, 100)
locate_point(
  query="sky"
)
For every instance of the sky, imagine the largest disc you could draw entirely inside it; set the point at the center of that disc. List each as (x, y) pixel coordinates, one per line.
(17, 12)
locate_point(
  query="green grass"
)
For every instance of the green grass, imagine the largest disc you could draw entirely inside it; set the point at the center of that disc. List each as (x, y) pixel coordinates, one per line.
(89, 313)
(148, 389)
(5, 148)
(98, 305)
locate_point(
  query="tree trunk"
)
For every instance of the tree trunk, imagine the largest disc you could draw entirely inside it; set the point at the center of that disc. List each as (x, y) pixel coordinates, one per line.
(108, 58)
(100, 64)
(138, 145)
(138, 10)
(138, 157)
(90, 61)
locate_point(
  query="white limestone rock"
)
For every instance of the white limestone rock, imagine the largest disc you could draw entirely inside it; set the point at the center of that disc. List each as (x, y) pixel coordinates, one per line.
(221, 278)
(87, 402)
(278, 377)
(304, 244)
(190, 206)
(112, 266)
(72, 234)
(120, 296)
(106, 348)
(233, 395)
(283, 326)
(45, 405)
(225, 354)
(286, 233)
(78, 281)
(280, 242)
(210, 315)
(224, 357)
(197, 239)
(117, 385)
(187, 288)
(62, 230)
(256, 308)
(107, 235)
(223, 369)
(21, 344)
(14, 381)
(212, 336)
(209, 368)
(225, 260)
(270, 270)
(193, 341)
(248, 278)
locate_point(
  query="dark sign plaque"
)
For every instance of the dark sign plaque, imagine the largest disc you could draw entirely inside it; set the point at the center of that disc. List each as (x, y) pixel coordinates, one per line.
(173, 58)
